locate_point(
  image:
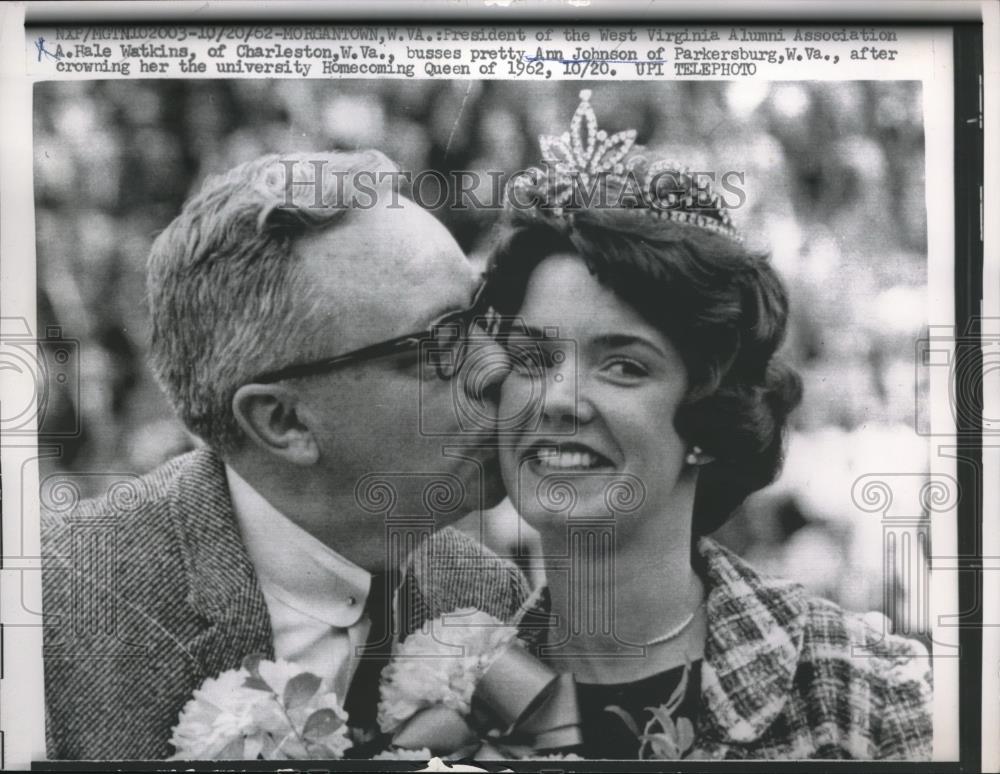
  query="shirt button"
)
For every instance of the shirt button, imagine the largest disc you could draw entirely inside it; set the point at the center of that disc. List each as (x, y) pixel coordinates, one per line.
(351, 601)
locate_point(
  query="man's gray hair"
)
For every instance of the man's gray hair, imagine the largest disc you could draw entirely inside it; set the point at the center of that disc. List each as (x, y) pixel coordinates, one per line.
(226, 292)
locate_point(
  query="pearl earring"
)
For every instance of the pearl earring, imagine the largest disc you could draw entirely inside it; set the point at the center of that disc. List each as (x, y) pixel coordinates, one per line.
(693, 456)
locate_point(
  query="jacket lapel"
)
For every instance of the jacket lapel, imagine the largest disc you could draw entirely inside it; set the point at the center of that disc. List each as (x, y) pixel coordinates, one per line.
(222, 589)
(753, 647)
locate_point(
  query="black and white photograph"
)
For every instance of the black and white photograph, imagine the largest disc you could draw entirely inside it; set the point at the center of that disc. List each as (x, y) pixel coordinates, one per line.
(513, 420)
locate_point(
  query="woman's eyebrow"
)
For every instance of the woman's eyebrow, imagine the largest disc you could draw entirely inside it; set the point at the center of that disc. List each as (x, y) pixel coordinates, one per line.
(618, 340)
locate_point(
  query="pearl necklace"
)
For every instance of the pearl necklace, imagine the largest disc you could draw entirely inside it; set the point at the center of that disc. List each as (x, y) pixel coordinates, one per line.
(677, 630)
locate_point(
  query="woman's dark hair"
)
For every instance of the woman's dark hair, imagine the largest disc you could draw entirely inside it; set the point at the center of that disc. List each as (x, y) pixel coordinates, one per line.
(723, 308)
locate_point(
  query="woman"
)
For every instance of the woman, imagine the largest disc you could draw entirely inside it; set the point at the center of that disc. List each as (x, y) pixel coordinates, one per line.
(642, 338)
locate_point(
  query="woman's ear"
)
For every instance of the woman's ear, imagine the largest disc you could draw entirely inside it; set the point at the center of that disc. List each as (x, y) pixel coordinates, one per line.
(270, 416)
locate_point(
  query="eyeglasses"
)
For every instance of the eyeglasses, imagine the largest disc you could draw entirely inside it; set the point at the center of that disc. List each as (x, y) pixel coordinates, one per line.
(443, 343)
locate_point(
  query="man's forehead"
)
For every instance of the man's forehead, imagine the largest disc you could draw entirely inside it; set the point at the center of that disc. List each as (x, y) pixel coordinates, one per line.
(388, 240)
(388, 268)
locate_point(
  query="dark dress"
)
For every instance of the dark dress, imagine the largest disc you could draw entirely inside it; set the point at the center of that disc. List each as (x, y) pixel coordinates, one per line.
(606, 734)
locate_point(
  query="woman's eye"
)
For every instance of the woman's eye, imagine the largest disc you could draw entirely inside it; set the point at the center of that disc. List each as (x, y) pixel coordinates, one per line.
(626, 367)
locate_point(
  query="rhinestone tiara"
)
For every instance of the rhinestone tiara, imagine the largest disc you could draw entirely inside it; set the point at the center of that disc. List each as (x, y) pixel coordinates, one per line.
(661, 189)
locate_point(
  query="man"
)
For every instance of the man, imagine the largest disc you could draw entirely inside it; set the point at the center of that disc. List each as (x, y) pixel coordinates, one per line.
(290, 301)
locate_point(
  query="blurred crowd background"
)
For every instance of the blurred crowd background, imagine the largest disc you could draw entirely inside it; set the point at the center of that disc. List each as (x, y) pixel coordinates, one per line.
(835, 191)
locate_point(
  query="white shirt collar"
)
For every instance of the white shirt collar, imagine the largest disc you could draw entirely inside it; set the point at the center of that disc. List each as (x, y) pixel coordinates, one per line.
(294, 566)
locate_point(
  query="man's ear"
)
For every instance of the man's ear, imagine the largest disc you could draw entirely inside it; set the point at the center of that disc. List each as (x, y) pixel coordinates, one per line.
(270, 416)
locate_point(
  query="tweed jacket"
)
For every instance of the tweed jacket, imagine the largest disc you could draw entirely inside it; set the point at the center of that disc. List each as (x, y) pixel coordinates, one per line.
(149, 590)
(786, 675)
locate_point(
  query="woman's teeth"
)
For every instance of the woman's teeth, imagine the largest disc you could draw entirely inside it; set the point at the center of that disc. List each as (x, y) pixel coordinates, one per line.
(562, 460)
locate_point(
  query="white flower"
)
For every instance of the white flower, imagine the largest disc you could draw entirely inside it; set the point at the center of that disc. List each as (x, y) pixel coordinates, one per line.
(333, 744)
(243, 715)
(221, 711)
(441, 665)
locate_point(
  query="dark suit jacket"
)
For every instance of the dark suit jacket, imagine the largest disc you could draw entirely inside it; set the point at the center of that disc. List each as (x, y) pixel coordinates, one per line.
(148, 590)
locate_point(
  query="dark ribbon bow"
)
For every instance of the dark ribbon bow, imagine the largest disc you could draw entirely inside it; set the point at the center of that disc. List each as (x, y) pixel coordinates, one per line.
(535, 706)
(534, 709)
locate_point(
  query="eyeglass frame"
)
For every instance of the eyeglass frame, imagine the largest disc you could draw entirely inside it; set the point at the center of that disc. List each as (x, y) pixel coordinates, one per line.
(464, 319)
